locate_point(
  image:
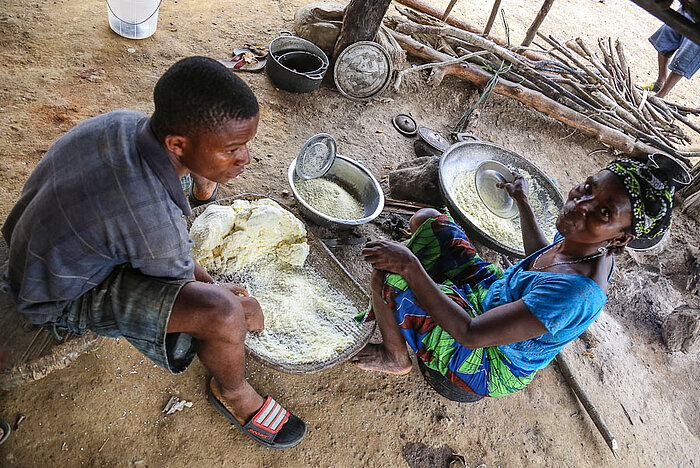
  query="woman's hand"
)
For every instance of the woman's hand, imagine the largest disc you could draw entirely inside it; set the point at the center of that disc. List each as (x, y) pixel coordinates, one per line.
(518, 189)
(389, 256)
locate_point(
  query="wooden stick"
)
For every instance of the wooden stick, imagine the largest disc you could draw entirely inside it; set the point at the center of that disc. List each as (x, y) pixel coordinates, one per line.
(681, 107)
(492, 17)
(406, 204)
(587, 403)
(581, 49)
(401, 73)
(424, 7)
(532, 31)
(538, 101)
(690, 124)
(642, 123)
(552, 89)
(448, 10)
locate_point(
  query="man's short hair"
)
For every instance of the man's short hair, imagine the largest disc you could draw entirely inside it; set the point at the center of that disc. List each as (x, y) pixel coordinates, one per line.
(198, 95)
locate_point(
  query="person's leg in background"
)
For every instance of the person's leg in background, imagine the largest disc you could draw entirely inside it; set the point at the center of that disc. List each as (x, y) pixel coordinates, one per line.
(666, 41)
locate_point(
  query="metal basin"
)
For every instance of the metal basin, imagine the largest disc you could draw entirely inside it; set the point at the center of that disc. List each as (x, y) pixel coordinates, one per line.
(466, 156)
(352, 176)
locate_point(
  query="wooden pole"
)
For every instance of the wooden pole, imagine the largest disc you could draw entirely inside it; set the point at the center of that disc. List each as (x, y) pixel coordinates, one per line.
(587, 403)
(361, 21)
(534, 99)
(546, 6)
(448, 10)
(424, 7)
(492, 17)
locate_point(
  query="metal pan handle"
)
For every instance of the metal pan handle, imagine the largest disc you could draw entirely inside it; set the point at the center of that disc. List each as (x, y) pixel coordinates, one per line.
(284, 32)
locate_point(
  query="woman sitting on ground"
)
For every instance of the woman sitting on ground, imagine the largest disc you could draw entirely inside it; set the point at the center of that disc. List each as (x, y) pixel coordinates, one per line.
(488, 331)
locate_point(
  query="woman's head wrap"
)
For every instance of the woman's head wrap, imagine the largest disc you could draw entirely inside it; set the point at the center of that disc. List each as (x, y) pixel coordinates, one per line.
(651, 195)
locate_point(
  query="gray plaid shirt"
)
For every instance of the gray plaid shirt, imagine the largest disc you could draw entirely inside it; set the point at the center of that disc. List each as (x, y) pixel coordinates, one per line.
(105, 194)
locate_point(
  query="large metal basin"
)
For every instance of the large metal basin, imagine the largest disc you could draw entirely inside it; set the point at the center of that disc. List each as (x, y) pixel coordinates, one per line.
(352, 176)
(466, 156)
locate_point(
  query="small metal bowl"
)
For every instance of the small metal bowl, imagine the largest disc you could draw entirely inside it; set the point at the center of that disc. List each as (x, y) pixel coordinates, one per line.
(351, 175)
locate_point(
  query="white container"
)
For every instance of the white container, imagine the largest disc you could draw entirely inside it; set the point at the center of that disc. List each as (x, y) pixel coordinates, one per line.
(133, 19)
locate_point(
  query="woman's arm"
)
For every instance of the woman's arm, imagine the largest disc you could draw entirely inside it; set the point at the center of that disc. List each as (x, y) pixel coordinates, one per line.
(505, 324)
(533, 237)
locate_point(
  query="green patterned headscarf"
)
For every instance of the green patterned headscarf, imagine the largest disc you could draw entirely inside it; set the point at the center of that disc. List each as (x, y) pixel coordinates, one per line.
(651, 196)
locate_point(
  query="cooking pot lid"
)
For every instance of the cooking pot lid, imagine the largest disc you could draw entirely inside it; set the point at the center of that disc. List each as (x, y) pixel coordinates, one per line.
(363, 70)
(316, 156)
(405, 124)
(433, 138)
(497, 200)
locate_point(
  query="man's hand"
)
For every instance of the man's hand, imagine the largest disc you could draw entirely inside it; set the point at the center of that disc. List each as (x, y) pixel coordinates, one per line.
(254, 318)
(235, 288)
(388, 256)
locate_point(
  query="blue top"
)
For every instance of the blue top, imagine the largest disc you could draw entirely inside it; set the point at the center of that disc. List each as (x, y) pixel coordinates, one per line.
(105, 194)
(566, 304)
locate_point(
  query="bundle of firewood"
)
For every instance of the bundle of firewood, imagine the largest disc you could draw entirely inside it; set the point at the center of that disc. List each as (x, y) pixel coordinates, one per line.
(590, 90)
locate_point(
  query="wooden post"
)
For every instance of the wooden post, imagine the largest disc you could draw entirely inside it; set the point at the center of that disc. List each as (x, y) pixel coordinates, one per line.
(538, 21)
(361, 22)
(448, 10)
(492, 17)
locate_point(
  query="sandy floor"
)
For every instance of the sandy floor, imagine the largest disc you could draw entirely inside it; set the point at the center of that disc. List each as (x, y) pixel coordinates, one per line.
(61, 64)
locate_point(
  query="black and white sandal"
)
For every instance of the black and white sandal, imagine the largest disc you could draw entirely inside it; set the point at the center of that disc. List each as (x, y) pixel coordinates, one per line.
(271, 426)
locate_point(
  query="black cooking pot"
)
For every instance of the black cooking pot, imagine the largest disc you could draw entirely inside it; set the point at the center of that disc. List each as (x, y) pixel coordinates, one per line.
(304, 62)
(288, 58)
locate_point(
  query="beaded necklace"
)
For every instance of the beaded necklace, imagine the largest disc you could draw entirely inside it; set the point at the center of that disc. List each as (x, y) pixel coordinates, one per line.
(601, 251)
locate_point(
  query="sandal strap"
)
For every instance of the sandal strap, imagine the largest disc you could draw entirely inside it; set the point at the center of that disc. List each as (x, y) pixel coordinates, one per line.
(268, 421)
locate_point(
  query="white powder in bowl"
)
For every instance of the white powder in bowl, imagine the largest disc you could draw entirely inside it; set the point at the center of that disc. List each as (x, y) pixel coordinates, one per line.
(330, 198)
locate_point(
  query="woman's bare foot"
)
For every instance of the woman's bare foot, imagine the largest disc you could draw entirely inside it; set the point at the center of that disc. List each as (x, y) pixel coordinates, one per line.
(377, 358)
(242, 406)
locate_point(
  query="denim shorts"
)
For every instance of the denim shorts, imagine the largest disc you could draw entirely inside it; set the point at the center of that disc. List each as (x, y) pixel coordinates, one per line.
(666, 41)
(137, 307)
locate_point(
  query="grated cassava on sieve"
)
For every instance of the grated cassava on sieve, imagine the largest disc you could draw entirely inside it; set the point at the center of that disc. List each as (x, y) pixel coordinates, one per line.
(304, 315)
(263, 246)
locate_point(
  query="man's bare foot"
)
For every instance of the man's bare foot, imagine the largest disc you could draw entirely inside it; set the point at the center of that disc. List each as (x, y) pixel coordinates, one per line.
(242, 406)
(377, 358)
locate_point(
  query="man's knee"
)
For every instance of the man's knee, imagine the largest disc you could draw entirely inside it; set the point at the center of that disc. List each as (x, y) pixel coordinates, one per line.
(421, 216)
(227, 319)
(215, 313)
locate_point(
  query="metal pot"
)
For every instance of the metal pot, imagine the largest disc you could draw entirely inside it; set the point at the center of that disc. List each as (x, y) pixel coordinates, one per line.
(292, 80)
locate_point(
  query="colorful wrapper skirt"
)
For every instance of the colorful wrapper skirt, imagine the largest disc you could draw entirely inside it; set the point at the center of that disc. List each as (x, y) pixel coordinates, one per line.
(452, 262)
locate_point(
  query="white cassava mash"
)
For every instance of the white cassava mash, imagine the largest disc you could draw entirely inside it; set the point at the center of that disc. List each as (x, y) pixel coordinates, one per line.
(330, 198)
(505, 231)
(264, 246)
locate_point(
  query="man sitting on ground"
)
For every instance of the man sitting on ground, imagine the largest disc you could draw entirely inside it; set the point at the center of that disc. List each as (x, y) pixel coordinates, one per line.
(98, 240)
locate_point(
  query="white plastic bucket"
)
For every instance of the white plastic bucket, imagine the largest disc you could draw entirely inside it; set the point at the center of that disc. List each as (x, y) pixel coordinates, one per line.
(133, 19)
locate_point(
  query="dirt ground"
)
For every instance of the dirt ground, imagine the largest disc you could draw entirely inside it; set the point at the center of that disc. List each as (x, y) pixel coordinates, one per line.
(61, 64)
